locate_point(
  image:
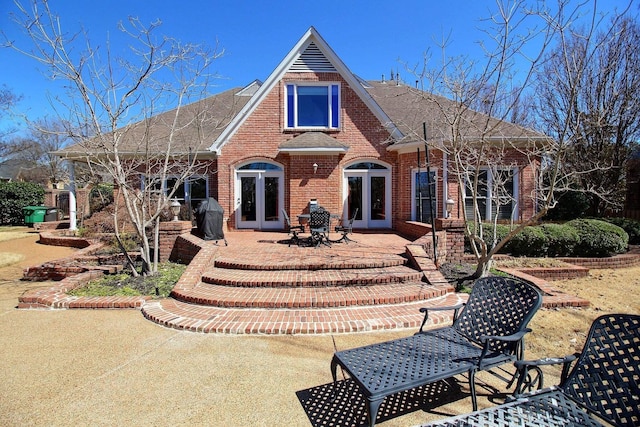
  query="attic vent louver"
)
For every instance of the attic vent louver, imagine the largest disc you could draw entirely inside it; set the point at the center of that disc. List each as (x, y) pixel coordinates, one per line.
(312, 60)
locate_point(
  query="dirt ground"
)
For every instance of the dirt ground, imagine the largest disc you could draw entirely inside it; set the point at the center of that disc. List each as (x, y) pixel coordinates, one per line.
(113, 367)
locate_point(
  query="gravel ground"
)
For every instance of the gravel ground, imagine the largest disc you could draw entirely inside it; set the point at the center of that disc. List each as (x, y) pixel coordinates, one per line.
(113, 367)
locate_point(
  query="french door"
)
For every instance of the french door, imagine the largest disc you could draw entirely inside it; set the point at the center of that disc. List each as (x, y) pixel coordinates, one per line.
(259, 198)
(367, 187)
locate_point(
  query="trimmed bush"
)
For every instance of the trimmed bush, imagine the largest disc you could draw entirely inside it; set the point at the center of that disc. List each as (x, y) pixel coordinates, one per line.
(631, 226)
(530, 242)
(487, 235)
(562, 240)
(598, 238)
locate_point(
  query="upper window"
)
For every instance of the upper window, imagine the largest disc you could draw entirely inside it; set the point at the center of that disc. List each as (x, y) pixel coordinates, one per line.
(313, 106)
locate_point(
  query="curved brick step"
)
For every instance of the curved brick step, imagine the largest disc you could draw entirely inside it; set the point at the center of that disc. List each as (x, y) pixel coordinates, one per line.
(196, 318)
(307, 297)
(310, 278)
(312, 262)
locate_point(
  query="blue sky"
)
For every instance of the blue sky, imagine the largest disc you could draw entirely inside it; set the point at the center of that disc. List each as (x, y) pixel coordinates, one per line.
(372, 37)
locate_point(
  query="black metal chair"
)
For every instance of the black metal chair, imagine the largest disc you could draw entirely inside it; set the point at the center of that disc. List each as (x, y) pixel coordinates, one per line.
(319, 223)
(487, 333)
(604, 381)
(293, 229)
(346, 229)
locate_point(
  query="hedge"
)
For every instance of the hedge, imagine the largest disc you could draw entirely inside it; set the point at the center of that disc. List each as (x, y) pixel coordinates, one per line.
(577, 238)
(631, 226)
(599, 238)
(16, 195)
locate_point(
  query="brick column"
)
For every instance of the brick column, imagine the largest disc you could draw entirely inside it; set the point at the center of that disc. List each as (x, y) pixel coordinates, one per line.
(454, 229)
(169, 232)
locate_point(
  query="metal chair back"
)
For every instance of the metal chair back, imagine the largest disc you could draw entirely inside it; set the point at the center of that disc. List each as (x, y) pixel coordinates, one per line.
(319, 220)
(606, 377)
(498, 306)
(286, 218)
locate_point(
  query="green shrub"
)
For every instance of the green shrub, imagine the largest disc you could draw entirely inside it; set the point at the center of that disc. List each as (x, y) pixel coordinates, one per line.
(124, 284)
(631, 226)
(487, 235)
(530, 242)
(16, 195)
(598, 238)
(562, 240)
(571, 205)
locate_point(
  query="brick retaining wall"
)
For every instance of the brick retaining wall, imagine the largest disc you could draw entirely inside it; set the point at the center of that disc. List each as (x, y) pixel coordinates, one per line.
(618, 261)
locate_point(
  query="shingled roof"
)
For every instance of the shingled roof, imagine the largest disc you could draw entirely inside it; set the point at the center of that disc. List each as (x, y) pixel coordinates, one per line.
(312, 142)
(409, 108)
(214, 115)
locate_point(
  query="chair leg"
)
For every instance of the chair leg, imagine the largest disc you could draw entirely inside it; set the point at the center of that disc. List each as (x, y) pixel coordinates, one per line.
(472, 387)
(334, 375)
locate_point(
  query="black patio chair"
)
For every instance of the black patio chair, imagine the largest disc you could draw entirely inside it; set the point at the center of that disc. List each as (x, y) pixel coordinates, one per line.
(487, 331)
(293, 229)
(603, 382)
(346, 229)
(319, 222)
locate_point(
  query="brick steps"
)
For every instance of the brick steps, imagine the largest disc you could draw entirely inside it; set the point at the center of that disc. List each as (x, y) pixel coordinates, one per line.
(311, 278)
(307, 297)
(306, 261)
(198, 318)
(264, 287)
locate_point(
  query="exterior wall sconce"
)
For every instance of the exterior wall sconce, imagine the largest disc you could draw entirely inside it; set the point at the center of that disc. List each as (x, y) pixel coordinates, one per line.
(315, 168)
(175, 209)
(449, 205)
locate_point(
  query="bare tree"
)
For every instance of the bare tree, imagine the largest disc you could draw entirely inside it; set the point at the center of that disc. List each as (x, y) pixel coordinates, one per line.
(116, 110)
(8, 101)
(476, 99)
(591, 87)
(35, 151)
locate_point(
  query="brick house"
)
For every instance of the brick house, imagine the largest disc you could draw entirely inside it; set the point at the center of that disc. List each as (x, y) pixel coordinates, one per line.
(313, 130)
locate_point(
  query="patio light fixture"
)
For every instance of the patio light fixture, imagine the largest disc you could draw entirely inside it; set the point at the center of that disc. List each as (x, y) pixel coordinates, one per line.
(449, 205)
(175, 209)
(315, 168)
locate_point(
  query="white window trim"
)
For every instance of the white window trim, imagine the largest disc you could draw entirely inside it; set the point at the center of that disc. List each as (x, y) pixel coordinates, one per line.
(329, 106)
(516, 191)
(186, 184)
(414, 172)
(387, 174)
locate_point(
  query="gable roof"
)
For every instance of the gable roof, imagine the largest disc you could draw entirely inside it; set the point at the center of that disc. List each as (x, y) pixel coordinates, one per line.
(409, 108)
(398, 107)
(310, 53)
(216, 113)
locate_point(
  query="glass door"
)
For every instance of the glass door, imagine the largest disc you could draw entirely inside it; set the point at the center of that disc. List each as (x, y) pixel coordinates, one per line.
(259, 196)
(368, 188)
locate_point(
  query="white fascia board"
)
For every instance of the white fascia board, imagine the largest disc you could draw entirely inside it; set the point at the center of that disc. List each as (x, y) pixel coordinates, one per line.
(310, 36)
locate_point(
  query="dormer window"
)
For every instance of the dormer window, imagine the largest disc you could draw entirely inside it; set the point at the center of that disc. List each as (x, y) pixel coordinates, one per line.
(313, 106)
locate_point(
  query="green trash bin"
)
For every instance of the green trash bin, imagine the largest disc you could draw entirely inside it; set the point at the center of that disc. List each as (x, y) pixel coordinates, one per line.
(33, 214)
